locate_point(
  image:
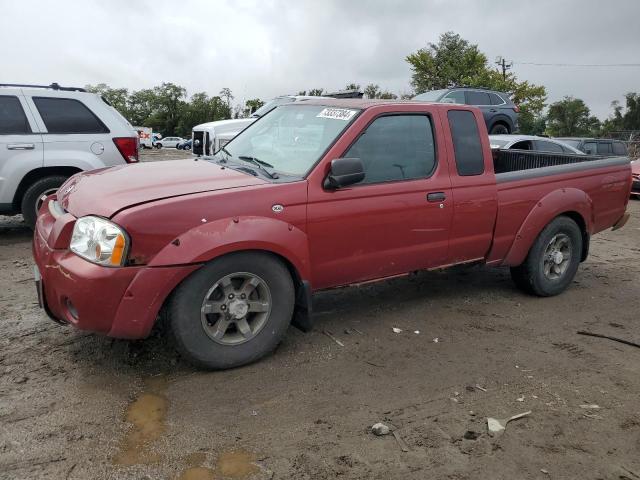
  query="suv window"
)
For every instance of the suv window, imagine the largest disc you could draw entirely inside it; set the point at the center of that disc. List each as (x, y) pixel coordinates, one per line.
(66, 115)
(495, 99)
(544, 146)
(478, 98)
(457, 96)
(396, 147)
(590, 148)
(12, 118)
(619, 148)
(466, 142)
(604, 148)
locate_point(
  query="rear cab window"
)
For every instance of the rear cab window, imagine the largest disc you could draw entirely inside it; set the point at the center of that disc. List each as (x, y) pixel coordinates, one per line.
(604, 148)
(466, 142)
(395, 148)
(619, 148)
(13, 120)
(68, 116)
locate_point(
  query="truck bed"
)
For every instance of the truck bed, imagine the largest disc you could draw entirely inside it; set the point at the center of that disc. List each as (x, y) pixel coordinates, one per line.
(525, 178)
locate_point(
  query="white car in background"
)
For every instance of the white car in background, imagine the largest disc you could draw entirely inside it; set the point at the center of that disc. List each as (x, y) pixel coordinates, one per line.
(49, 133)
(168, 142)
(210, 137)
(531, 142)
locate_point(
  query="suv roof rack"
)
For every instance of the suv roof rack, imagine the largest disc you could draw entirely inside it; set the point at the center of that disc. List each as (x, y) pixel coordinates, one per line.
(53, 86)
(345, 94)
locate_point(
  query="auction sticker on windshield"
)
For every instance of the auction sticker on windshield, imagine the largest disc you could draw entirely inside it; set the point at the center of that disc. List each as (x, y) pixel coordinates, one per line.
(337, 113)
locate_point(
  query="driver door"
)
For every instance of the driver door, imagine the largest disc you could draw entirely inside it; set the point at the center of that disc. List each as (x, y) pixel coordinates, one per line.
(397, 219)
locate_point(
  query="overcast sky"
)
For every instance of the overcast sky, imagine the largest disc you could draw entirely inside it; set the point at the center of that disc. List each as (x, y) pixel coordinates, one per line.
(266, 48)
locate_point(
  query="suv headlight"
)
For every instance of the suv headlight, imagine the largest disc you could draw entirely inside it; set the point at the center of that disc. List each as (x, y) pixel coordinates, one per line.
(99, 241)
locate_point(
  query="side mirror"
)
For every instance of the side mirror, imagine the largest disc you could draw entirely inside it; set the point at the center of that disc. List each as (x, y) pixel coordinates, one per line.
(344, 172)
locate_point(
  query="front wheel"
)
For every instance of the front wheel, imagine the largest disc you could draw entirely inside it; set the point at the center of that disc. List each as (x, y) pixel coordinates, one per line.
(553, 260)
(35, 195)
(233, 310)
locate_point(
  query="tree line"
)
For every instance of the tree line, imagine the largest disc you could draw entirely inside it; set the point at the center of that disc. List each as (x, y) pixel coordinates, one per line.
(452, 61)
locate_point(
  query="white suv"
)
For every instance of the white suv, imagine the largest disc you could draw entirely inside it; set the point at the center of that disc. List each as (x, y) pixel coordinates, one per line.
(168, 142)
(47, 134)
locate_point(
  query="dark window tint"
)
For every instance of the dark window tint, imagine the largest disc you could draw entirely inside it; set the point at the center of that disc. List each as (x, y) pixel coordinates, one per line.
(590, 148)
(397, 147)
(543, 146)
(64, 115)
(478, 98)
(604, 148)
(12, 117)
(619, 148)
(456, 96)
(495, 99)
(466, 142)
(522, 145)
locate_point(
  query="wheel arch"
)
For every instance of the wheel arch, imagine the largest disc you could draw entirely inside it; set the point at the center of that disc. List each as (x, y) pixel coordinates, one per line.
(569, 202)
(37, 174)
(501, 120)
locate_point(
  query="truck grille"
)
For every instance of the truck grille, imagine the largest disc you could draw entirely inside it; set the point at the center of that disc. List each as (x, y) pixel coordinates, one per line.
(198, 143)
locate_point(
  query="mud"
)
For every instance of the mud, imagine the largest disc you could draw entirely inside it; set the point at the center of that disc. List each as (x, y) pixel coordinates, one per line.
(79, 406)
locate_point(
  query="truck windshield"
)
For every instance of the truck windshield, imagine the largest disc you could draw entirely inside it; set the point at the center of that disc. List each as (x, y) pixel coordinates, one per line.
(291, 138)
(271, 104)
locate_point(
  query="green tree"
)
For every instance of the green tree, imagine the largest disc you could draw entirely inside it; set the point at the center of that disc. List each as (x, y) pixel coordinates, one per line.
(352, 86)
(253, 105)
(227, 95)
(371, 91)
(316, 92)
(624, 118)
(117, 97)
(571, 117)
(201, 109)
(454, 61)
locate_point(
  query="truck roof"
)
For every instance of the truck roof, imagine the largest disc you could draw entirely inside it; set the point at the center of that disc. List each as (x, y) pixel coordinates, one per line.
(363, 104)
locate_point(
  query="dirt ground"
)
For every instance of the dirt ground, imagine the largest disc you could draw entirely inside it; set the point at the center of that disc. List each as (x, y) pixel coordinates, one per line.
(79, 406)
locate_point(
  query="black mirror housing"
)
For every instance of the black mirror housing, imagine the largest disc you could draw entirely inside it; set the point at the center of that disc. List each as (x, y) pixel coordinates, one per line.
(344, 172)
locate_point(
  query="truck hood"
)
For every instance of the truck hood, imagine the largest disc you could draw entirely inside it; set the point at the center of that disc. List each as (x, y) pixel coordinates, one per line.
(635, 167)
(106, 191)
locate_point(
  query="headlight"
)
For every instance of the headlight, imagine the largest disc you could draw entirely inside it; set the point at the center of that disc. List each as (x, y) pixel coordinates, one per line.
(99, 241)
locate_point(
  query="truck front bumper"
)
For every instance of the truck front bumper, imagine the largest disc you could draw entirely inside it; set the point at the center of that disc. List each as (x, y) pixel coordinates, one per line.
(121, 302)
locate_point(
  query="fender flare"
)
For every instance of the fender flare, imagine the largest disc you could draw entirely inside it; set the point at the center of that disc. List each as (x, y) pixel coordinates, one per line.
(501, 118)
(571, 201)
(227, 235)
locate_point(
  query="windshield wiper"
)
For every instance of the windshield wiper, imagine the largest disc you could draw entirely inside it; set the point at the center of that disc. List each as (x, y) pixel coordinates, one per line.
(261, 165)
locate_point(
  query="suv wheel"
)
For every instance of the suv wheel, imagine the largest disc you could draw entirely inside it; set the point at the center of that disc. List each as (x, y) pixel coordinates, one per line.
(233, 310)
(552, 261)
(158, 146)
(499, 129)
(35, 195)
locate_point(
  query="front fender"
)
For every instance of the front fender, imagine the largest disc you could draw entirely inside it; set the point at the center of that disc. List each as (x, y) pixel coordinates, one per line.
(563, 200)
(213, 239)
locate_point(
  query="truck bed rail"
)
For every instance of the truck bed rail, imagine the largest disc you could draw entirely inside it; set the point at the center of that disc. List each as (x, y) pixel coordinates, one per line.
(518, 160)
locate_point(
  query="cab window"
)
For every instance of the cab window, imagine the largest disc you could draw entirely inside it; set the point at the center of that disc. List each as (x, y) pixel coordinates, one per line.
(395, 148)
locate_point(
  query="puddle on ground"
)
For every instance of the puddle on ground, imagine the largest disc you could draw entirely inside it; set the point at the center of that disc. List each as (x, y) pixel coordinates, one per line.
(236, 464)
(147, 415)
(197, 473)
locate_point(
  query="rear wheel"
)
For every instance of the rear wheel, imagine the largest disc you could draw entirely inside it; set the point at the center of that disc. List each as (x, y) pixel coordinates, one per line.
(158, 146)
(233, 310)
(553, 260)
(499, 129)
(35, 195)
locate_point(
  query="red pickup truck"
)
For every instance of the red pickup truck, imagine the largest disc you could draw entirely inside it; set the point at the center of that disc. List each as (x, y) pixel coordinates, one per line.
(309, 197)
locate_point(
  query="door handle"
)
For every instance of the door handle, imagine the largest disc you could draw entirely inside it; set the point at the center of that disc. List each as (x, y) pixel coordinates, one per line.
(21, 146)
(436, 197)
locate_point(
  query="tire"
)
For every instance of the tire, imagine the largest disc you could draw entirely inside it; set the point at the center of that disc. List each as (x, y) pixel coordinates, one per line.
(195, 331)
(541, 274)
(32, 198)
(158, 146)
(499, 129)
